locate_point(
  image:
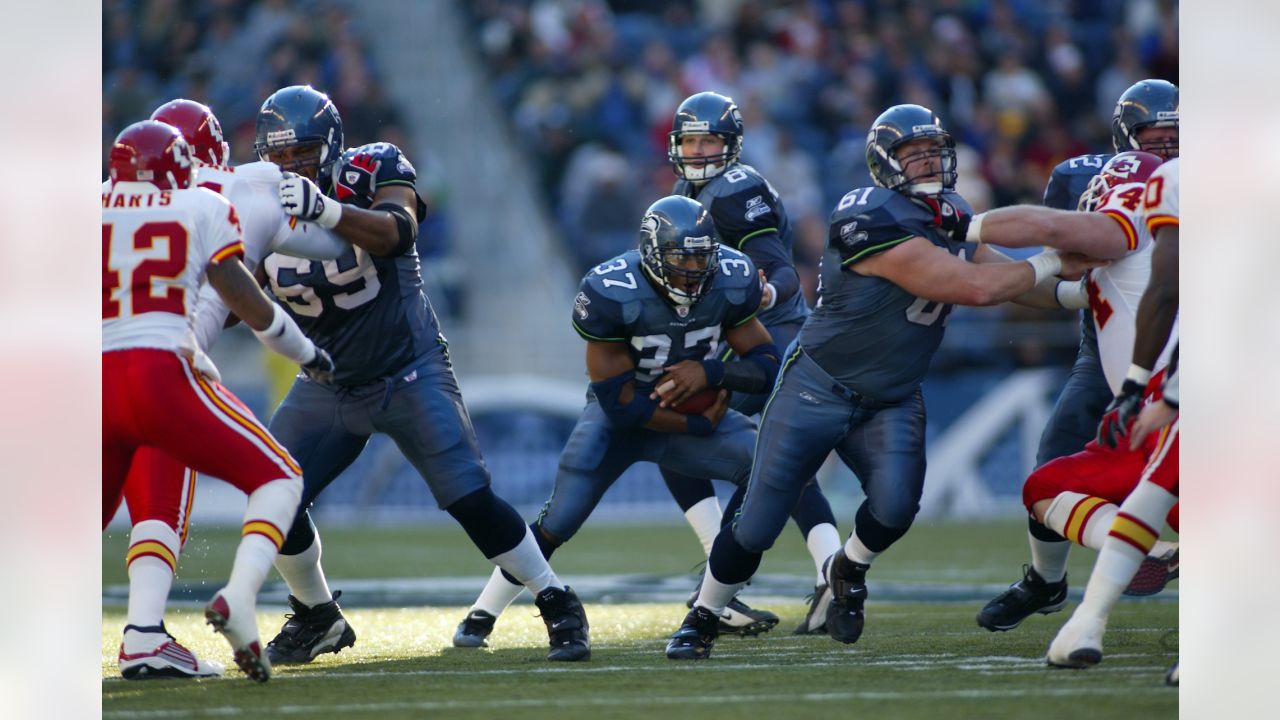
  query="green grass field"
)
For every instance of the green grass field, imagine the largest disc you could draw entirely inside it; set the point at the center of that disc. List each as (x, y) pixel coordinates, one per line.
(916, 659)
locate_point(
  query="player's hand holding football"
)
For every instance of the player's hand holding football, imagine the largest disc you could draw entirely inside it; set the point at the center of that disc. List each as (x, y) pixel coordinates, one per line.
(321, 368)
(716, 412)
(1120, 414)
(680, 382)
(302, 198)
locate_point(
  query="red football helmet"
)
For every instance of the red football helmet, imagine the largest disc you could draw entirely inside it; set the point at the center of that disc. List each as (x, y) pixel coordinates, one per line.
(153, 152)
(1134, 166)
(199, 126)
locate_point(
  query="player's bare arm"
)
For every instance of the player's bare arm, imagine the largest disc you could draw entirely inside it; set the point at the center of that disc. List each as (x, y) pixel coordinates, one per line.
(929, 272)
(377, 229)
(1159, 305)
(1051, 293)
(242, 294)
(1088, 233)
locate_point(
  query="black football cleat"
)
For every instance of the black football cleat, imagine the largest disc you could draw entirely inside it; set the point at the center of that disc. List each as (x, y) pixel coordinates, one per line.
(696, 636)
(1030, 595)
(474, 629)
(848, 582)
(310, 632)
(567, 629)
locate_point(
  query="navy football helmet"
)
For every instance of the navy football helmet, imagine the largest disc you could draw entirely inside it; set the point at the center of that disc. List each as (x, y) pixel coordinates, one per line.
(1147, 103)
(705, 113)
(680, 248)
(901, 124)
(299, 116)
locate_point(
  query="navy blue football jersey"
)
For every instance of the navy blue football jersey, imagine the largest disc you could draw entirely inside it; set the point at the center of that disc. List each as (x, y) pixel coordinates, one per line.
(1070, 178)
(617, 303)
(867, 332)
(370, 313)
(744, 205)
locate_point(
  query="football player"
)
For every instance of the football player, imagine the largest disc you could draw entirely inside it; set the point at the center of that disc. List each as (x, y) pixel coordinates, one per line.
(1146, 119)
(160, 491)
(653, 318)
(160, 239)
(369, 307)
(1076, 496)
(703, 149)
(891, 271)
(1137, 522)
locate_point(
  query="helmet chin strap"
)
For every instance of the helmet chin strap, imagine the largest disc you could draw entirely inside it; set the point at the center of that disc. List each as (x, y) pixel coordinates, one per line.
(926, 188)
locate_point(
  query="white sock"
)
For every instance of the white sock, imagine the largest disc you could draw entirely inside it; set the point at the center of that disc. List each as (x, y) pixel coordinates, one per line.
(252, 563)
(857, 552)
(305, 576)
(497, 594)
(1049, 558)
(151, 559)
(526, 564)
(704, 517)
(1082, 519)
(823, 542)
(715, 595)
(1131, 538)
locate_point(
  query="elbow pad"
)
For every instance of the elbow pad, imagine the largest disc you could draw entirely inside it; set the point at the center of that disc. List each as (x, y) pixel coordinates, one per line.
(754, 373)
(635, 413)
(405, 226)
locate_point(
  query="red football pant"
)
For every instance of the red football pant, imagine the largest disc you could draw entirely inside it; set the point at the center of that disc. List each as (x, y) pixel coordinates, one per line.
(1110, 474)
(160, 488)
(155, 398)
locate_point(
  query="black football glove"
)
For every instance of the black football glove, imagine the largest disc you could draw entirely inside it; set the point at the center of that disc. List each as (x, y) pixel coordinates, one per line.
(321, 368)
(1121, 414)
(355, 177)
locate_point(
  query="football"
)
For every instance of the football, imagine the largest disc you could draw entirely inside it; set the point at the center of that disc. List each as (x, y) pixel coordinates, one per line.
(697, 404)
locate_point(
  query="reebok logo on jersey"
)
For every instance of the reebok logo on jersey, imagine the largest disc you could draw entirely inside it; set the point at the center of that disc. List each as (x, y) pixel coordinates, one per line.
(755, 208)
(580, 304)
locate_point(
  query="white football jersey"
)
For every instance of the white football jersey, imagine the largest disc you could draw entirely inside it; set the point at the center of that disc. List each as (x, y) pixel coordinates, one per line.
(1160, 201)
(1116, 289)
(254, 190)
(156, 245)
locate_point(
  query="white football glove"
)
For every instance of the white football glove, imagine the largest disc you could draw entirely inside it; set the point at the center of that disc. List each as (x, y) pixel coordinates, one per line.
(302, 198)
(204, 366)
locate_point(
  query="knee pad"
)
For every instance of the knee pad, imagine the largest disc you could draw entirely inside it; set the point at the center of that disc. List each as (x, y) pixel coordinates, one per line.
(493, 525)
(875, 535)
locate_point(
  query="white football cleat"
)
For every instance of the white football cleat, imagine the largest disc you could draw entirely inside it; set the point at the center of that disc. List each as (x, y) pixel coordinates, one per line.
(237, 621)
(1078, 644)
(151, 652)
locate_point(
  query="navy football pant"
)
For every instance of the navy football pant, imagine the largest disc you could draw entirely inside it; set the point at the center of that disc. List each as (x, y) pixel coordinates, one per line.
(811, 507)
(598, 453)
(1080, 406)
(326, 427)
(809, 415)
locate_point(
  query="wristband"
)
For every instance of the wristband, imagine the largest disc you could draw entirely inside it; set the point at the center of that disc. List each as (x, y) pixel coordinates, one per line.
(1045, 264)
(1071, 294)
(284, 337)
(1138, 374)
(975, 228)
(773, 296)
(699, 425)
(330, 213)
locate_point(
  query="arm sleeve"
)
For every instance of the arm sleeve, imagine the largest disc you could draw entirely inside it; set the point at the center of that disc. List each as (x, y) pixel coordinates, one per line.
(767, 252)
(307, 240)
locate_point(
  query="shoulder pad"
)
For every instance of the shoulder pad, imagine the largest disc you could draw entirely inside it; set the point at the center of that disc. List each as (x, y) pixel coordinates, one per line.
(608, 302)
(1069, 179)
(871, 220)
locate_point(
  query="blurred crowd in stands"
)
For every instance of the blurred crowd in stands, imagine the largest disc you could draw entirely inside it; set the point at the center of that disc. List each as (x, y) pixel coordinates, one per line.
(591, 86)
